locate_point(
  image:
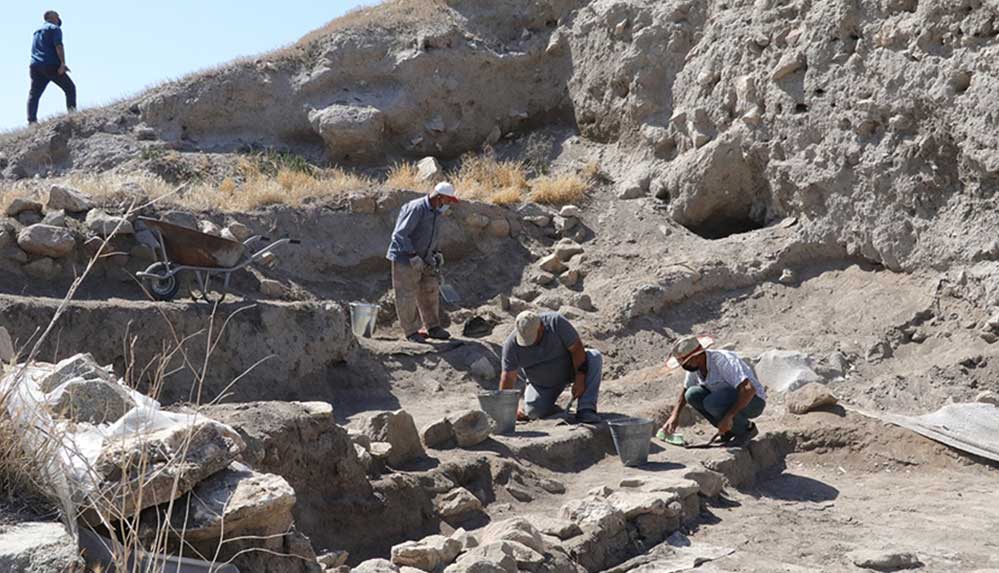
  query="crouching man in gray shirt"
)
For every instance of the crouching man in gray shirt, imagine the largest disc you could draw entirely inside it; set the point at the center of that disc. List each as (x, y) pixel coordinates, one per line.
(547, 349)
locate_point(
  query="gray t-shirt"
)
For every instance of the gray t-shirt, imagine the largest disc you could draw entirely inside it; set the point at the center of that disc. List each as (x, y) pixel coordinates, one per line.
(547, 363)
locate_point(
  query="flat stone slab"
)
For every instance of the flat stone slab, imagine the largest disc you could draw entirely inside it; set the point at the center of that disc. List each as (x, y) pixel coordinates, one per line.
(557, 445)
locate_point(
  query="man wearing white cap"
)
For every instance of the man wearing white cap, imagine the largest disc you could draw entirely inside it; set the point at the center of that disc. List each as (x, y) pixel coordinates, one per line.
(547, 349)
(414, 256)
(719, 385)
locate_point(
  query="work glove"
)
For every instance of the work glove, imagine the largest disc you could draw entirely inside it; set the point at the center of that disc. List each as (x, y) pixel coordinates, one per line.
(417, 264)
(438, 259)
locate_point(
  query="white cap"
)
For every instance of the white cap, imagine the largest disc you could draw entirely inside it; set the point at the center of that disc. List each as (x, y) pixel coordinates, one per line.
(444, 189)
(527, 323)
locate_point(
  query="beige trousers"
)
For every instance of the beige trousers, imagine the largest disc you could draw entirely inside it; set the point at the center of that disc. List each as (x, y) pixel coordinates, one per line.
(416, 297)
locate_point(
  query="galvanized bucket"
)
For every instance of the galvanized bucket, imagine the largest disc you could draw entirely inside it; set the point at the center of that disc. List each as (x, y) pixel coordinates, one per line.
(501, 406)
(363, 317)
(632, 437)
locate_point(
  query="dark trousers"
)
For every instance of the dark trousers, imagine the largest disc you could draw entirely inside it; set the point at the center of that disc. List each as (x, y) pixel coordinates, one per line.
(714, 406)
(40, 78)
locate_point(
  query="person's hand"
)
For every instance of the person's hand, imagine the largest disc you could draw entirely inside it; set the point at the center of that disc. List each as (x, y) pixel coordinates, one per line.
(670, 426)
(725, 425)
(63, 68)
(417, 264)
(578, 387)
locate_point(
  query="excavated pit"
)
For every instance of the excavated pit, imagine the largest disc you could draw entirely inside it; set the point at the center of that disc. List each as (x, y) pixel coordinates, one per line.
(719, 226)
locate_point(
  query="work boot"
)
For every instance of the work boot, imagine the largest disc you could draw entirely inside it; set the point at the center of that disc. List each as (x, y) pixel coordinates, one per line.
(588, 416)
(438, 333)
(417, 337)
(743, 440)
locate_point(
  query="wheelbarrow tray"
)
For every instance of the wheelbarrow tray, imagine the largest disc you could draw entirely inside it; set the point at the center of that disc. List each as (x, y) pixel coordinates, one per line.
(195, 249)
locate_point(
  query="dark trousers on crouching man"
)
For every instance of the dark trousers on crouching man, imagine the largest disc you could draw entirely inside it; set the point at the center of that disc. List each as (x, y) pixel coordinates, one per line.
(416, 297)
(539, 401)
(714, 406)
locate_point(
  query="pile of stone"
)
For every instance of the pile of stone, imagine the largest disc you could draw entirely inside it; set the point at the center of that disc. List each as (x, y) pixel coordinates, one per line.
(168, 468)
(506, 546)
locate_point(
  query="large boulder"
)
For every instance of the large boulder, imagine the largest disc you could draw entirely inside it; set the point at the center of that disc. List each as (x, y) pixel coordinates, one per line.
(103, 225)
(809, 397)
(516, 529)
(457, 503)
(46, 241)
(76, 366)
(234, 502)
(376, 566)
(490, 558)
(471, 427)
(428, 554)
(350, 130)
(144, 470)
(35, 547)
(396, 428)
(68, 199)
(438, 435)
(20, 205)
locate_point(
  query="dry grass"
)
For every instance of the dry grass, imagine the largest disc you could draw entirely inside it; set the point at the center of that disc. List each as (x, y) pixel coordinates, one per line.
(484, 178)
(406, 176)
(558, 190)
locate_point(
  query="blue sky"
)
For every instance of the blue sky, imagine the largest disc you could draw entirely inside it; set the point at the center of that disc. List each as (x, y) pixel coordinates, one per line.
(116, 48)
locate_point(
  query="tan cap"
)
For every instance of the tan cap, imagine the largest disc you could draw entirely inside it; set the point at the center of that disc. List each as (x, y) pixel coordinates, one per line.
(527, 327)
(686, 348)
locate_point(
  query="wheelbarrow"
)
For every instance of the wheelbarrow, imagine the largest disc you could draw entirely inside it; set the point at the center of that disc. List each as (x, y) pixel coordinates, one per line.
(181, 249)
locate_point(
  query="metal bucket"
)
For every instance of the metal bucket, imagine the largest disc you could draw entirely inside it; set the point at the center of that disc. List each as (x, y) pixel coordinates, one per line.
(501, 406)
(363, 317)
(632, 437)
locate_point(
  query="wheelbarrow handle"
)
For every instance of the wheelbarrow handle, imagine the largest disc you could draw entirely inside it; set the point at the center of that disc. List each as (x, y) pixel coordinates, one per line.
(292, 241)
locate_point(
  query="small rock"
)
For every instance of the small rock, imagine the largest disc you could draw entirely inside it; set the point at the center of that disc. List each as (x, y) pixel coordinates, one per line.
(885, 561)
(362, 203)
(457, 503)
(710, 482)
(516, 529)
(569, 278)
(427, 554)
(482, 368)
(20, 205)
(467, 540)
(566, 249)
(272, 288)
(68, 199)
(561, 528)
(564, 224)
(988, 336)
(632, 190)
(376, 566)
(632, 482)
(380, 450)
(986, 397)
(552, 264)
(46, 241)
(438, 435)
(29, 218)
(789, 63)
(333, 559)
(788, 277)
(55, 218)
(227, 234)
(43, 268)
(209, 228)
(808, 398)
(491, 558)
(144, 133)
(396, 428)
(544, 279)
(103, 224)
(240, 231)
(499, 228)
(520, 494)
(583, 302)
(570, 211)
(428, 169)
(471, 427)
(539, 220)
(879, 350)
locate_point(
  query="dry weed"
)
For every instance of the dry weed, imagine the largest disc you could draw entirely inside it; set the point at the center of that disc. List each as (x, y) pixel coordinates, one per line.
(558, 190)
(407, 177)
(484, 178)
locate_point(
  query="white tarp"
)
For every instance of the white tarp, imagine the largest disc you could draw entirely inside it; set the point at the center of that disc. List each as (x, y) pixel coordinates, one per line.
(969, 427)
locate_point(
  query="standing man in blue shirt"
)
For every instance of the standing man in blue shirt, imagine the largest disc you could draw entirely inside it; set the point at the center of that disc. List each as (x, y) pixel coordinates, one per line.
(48, 64)
(414, 256)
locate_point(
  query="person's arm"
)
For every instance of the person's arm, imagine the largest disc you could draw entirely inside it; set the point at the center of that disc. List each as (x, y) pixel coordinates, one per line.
(674, 418)
(60, 51)
(746, 393)
(507, 380)
(402, 235)
(578, 354)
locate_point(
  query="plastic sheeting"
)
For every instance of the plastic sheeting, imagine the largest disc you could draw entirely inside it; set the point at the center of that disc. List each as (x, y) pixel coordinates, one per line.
(969, 427)
(73, 448)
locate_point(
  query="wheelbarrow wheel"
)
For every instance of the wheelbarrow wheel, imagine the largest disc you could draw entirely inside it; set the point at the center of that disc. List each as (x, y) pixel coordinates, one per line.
(166, 286)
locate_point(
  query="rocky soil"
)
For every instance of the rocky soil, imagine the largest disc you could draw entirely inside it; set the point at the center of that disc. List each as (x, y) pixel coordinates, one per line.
(809, 182)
